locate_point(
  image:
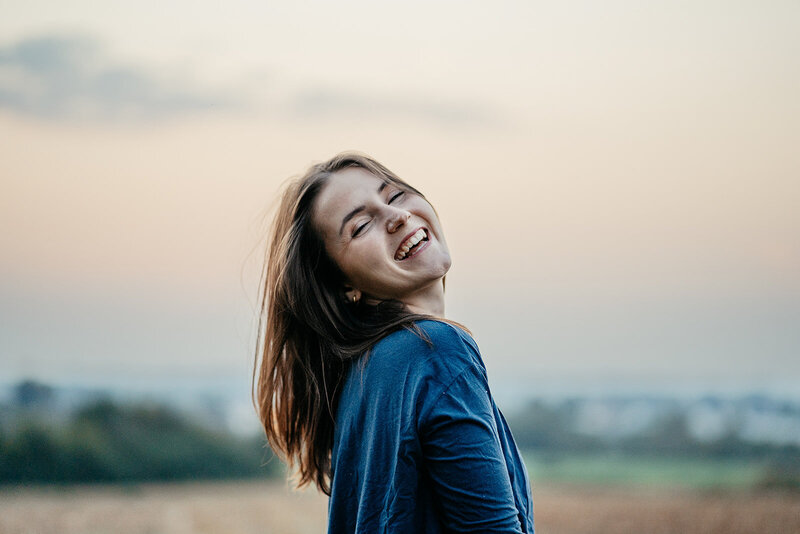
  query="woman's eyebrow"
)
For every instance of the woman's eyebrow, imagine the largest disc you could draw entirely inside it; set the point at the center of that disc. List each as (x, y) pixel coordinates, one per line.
(359, 209)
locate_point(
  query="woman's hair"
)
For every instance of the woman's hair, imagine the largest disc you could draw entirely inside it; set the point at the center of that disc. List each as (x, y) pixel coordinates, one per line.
(308, 332)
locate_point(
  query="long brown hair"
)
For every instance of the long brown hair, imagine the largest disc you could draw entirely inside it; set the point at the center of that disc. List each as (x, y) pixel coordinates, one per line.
(308, 333)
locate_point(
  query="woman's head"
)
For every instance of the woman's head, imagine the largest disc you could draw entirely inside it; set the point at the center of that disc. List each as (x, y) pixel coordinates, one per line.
(351, 232)
(355, 253)
(383, 236)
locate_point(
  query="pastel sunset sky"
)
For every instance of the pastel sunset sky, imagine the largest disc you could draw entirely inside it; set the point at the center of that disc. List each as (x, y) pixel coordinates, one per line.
(619, 181)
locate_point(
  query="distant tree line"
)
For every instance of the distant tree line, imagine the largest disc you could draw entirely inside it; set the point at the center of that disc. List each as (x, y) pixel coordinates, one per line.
(107, 442)
(552, 427)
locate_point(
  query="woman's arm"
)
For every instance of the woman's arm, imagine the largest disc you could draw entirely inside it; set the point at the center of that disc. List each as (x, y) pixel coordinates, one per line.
(465, 461)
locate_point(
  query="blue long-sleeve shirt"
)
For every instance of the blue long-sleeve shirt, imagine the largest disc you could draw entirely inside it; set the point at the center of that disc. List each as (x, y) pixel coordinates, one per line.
(421, 447)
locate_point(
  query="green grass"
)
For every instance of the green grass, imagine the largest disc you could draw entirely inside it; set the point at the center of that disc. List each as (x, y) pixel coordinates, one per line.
(616, 469)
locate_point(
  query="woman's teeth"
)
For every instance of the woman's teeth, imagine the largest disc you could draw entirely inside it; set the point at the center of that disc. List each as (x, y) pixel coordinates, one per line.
(410, 243)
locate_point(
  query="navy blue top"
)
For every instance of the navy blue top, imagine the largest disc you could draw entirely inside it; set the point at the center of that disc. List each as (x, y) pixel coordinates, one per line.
(420, 446)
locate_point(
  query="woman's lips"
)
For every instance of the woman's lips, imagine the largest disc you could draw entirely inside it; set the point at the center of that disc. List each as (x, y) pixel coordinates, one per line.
(412, 243)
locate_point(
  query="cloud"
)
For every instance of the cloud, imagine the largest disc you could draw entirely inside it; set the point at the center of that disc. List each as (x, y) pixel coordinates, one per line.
(331, 102)
(68, 77)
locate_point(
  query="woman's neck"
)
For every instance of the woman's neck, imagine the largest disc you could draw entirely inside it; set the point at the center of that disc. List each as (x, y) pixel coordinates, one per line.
(428, 301)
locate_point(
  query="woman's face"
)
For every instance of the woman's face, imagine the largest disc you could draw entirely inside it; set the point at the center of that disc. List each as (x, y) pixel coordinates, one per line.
(388, 242)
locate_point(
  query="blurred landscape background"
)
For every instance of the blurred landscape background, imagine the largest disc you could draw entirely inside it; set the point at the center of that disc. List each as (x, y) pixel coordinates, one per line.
(74, 435)
(80, 460)
(618, 183)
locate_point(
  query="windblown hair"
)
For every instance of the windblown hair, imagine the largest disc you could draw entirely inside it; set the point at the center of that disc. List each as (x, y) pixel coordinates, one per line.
(308, 332)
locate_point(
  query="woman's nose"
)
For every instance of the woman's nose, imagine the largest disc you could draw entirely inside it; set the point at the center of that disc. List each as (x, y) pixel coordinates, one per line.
(397, 219)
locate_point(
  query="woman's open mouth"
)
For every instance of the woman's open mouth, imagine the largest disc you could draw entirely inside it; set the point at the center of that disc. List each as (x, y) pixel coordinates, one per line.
(411, 245)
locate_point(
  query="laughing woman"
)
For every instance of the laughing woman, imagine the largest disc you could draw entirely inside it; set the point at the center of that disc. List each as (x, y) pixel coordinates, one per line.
(361, 383)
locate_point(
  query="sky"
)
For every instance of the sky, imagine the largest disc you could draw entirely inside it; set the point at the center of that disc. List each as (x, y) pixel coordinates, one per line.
(619, 182)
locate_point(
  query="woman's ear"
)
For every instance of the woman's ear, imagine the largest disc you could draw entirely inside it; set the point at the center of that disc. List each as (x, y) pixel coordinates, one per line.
(352, 294)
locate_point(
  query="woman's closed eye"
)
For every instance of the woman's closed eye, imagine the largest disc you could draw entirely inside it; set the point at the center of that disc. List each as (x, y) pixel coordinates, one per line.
(359, 228)
(396, 196)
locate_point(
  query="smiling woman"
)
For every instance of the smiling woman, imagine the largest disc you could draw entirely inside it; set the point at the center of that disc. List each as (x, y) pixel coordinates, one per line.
(360, 381)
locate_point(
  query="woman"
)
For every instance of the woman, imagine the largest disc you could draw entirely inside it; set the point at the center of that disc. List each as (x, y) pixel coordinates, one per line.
(360, 382)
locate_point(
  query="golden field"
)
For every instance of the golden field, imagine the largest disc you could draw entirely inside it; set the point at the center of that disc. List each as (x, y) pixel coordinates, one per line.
(269, 507)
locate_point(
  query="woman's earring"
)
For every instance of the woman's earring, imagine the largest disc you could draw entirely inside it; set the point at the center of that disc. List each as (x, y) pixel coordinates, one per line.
(355, 299)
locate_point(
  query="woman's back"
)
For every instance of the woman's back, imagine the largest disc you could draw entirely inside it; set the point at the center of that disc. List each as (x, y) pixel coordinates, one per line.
(420, 445)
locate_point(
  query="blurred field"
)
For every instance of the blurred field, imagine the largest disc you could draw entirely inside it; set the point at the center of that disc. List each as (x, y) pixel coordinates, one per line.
(665, 472)
(268, 507)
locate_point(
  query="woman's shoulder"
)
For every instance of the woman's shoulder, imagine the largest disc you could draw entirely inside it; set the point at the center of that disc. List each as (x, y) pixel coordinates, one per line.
(428, 346)
(427, 335)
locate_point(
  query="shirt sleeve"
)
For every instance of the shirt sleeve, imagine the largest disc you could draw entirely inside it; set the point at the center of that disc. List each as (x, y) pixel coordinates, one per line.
(464, 458)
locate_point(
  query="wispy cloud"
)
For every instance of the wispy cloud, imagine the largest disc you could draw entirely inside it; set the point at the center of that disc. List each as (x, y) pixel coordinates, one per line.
(68, 77)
